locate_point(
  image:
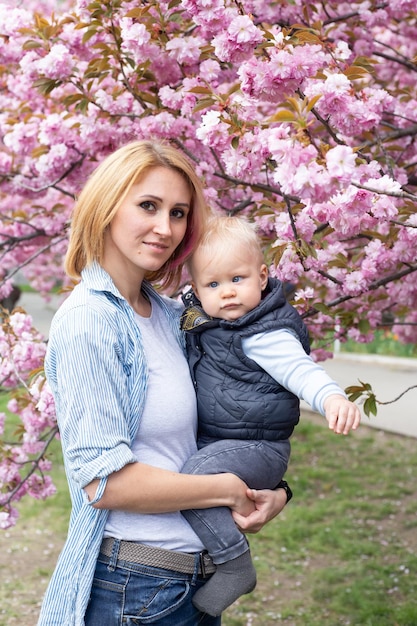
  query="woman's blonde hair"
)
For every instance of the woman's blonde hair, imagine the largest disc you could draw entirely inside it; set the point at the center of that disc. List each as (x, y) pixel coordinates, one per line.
(222, 233)
(105, 191)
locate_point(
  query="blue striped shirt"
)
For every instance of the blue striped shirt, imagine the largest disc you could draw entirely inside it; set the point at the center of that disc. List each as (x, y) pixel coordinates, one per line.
(96, 368)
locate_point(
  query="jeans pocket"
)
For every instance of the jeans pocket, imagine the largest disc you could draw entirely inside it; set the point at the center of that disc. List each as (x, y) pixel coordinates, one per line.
(149, 597)
(136, 595)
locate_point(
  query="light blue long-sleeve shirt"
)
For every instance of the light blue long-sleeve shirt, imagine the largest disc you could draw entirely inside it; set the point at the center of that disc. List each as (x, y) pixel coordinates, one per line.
(280, 353)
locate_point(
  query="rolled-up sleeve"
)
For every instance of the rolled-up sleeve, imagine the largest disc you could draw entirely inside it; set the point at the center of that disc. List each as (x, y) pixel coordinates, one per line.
(90, 366)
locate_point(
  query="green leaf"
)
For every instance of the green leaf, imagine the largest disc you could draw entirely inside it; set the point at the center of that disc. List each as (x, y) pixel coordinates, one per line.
(323, 308)
(370, 406)
(89, 33)
(312, 102)
(283, 116)
(72, 99)
(46, 85)
(203, 90)
(364, 326)
(31, 45)
(353, 396)
(355, 72)
(204, 103)
(137, 13)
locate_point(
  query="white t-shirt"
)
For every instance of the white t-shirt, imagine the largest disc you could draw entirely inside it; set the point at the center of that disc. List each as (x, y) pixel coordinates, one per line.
(166, 437)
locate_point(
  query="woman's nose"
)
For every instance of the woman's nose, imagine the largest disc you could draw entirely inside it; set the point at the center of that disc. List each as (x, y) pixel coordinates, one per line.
(162, 224)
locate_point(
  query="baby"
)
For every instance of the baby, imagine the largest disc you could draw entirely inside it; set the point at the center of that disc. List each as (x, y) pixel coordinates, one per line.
(248, 353)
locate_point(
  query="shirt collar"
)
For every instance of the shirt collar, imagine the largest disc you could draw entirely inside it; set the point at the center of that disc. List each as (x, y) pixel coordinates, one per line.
(96, 278)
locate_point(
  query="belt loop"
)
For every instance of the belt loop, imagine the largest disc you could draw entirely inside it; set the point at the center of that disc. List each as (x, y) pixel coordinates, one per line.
(197, 564)
(114, 555)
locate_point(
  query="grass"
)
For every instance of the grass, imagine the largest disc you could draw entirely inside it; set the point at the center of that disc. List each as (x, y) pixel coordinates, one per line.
(385, 343)
(344, 552)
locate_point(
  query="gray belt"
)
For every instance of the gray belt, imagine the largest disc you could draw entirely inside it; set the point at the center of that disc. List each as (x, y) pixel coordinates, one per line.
(158, 557)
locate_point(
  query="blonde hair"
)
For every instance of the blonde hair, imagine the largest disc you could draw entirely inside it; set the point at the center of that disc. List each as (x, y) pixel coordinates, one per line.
(222, 233)
(105, 191)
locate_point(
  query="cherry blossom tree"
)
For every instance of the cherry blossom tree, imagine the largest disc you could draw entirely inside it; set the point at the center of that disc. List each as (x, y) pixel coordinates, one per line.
(300, 115)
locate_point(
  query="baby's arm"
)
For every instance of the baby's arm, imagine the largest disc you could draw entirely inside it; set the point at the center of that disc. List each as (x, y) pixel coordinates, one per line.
(341, 414)
(281, 354)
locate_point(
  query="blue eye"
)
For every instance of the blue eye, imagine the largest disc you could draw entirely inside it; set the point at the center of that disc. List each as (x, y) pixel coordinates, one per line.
(213, 284)
(236, 279)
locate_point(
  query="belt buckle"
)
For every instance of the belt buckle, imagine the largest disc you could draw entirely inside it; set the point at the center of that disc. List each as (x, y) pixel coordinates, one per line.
(202, 563)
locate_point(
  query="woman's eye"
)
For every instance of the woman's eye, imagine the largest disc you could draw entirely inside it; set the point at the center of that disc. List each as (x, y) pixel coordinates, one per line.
(147, 205)
(178, 213)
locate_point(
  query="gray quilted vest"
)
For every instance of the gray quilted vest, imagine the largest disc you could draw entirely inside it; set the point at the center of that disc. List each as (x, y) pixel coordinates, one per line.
(236, 398)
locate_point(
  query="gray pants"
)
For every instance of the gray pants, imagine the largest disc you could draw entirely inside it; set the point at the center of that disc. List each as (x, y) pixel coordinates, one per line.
(260, 464)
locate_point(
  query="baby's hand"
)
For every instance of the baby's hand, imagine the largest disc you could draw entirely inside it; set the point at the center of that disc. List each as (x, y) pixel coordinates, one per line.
(341, 414)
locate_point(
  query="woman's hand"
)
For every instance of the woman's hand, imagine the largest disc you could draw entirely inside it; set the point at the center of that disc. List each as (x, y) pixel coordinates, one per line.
(245, 504)
(268, 504)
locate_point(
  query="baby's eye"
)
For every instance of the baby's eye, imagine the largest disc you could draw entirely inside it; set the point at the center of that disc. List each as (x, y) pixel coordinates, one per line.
(213, 284)
(236, 279)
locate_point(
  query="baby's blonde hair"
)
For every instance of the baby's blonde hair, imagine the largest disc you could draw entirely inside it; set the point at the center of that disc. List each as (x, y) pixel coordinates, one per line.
(223, 232)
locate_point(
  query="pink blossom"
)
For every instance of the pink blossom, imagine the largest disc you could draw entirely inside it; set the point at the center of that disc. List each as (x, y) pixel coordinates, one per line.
(304, 294)
(384, 184)
(21, 139)
(305, 226)
(8, 518)
(134, 36)
(13, 19)
(57, 64)
(290, 268)
(210, 15)
(171, 98)
(334, 92)
(283, 229)
(212, 130)
(211, 70)
(40, 487)
(238, 41)
(282, 74)
(340, 162)
(355, 283)
(237, 164)
(185, 50)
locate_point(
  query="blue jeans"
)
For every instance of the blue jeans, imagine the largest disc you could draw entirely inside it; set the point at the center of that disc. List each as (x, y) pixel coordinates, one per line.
(128, 594)
(261, 464)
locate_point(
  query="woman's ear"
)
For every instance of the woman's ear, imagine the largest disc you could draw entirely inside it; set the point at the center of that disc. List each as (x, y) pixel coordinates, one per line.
(263, 274)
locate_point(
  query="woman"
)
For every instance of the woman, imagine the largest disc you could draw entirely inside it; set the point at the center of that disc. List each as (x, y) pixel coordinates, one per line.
(126, 406)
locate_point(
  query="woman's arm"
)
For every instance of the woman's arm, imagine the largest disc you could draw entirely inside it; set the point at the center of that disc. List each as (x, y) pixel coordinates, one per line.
(142, 488)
